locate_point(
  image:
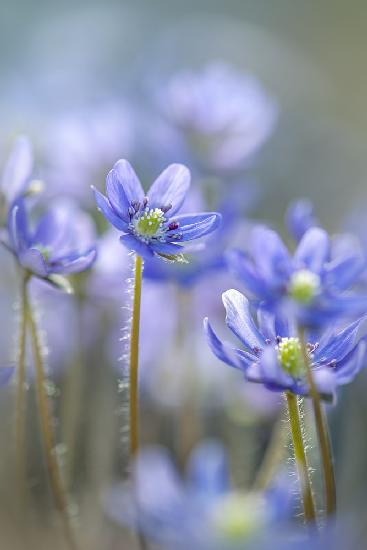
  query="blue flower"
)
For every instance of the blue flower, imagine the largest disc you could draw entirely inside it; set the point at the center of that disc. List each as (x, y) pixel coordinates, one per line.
(313, 284)
(223, 117)
(272, 352)
(60, 242)
(149, 223)
(203, 511)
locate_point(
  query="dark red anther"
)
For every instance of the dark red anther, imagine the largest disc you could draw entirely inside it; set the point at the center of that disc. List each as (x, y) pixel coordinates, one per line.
(145, 202)
(166, 208)
(173, 225)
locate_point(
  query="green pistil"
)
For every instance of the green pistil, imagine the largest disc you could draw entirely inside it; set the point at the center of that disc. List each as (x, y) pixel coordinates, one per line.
(238, 516)
(150, 223)
(304, 286)
(45, 251)
(290, 356)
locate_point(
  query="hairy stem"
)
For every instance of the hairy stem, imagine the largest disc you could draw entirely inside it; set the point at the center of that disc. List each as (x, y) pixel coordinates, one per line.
(300, 457)
(56, 482)
(322, 434)
(20, 389)
(134, 358)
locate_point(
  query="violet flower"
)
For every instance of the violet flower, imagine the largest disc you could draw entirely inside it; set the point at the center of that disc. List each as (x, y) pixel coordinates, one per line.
(58, 244)
(272, 353)
(312, 284)
(149, 222)
(223, 116)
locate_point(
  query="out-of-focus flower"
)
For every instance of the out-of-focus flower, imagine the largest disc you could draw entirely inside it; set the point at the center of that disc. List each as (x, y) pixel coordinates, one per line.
(16, 175)
(148, 223)
(312, 284)
(80, 147)
(223, 117)
(60, 242)
(272, 353)
(203, 511)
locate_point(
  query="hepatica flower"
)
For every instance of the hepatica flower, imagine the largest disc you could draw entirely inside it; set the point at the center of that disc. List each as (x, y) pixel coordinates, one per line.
(224, 116)
(314, 282)
(272, 354)
(149, 222)
(202, 510)
(58, 244)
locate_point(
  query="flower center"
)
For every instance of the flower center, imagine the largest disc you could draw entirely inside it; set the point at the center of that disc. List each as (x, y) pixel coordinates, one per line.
(150, 223)
(238, 516)
(290, 356)
(45, 251)
(304, 286)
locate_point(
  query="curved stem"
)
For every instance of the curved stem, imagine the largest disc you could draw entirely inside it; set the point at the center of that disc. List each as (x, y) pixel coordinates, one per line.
(134, 358)
(20, 389)
(53, 469)
(322, 433)
(300, 456)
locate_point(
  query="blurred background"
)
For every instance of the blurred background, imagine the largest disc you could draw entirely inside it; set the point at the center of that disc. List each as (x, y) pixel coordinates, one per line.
(91, 82)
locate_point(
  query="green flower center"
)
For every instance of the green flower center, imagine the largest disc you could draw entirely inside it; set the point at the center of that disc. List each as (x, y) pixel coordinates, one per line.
(150, 222)
(290, 356)
(239, 516)
(45, 251)
(304, 286)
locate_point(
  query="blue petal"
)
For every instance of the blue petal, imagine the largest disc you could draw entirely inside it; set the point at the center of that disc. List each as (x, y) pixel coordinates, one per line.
(271, 371)
(129, 181)
(6, 374)
(170, 188)
(325, 380)
(266, 321)
(33, 260)
(18, 169)
(343, 273)
(132, 243)
(242, 268)
(226, 352)
(313, 251)
(338, 345)
(117, 195)
(350, 366)
(70, 264)
(300, 217)
(271, 257)
(18, 226)
(196, 225)
(208, 471)
(166, 248)
(239, 319)
(106, 209)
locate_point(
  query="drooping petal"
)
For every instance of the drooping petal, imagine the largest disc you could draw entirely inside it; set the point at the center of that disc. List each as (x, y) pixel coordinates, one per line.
(239, 319)
(224, 351)
(18, 169)
(170, 188)
(106, 209)
(196, 225)
(72, 264)
(313, 251)
(166, 248)
(132, 243)
(33, 260)
(271, 257)
(325, 380)
(340, 274)
(129, 181)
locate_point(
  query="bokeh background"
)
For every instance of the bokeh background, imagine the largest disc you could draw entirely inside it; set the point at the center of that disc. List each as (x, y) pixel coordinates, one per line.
(78, 78)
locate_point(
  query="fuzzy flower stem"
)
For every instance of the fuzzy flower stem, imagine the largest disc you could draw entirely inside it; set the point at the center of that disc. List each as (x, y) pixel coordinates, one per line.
(56, 482)
(134, 358)
(20, 393)
(322, 434)
(300, 457)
